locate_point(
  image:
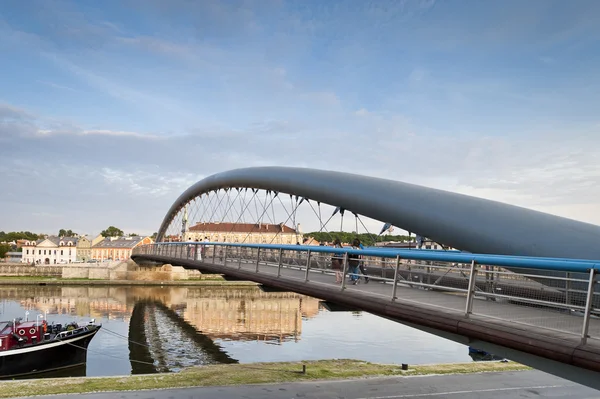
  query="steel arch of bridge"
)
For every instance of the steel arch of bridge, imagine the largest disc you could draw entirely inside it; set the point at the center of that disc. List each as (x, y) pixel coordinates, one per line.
(461, 221)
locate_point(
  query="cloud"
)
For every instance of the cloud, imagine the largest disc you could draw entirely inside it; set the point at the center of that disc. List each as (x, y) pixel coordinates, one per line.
(56, 85)
(80, 166)
(12, 113)
(362, 112)
(125, 114)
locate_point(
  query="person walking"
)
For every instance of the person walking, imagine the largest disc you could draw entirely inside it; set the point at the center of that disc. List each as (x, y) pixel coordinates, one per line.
(354, 263)
(337, 262)
(361, 265)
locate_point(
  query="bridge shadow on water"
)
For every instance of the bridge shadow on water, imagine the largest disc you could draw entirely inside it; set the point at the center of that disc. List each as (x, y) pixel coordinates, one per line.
(146, 343)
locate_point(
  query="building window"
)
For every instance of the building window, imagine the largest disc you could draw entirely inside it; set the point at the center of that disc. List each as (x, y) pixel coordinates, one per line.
(69, 251)
(27, 252)
(39, 251)
(61, 252)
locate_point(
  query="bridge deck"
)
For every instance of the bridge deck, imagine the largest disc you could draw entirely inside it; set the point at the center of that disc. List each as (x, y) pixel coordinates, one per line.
(557, 321)
(544, 333)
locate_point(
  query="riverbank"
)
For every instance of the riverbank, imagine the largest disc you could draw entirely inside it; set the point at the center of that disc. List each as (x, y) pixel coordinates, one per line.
(205, 280)
(244, 374)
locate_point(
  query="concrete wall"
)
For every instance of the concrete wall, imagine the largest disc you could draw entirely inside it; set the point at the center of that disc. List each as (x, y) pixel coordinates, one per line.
(19, 269)
(117, 270)
(129, 270)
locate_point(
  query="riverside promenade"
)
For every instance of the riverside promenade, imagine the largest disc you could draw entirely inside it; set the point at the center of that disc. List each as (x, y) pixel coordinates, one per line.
(516, 384)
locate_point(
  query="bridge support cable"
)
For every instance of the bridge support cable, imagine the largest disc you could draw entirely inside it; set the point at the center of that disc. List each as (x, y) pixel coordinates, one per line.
(244, 206)
(322, 225)
(231, 205)
(204, 203)
(239, 207)
(259, 222)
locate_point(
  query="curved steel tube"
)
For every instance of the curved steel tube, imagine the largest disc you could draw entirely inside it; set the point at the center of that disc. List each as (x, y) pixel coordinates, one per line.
(461, 221)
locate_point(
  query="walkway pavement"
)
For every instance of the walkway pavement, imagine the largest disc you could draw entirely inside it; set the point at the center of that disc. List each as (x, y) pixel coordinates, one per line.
(449, 301)
(520, 384)
(499, 326)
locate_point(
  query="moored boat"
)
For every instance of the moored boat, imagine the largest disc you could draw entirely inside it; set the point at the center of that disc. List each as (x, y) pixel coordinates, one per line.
(32, 347)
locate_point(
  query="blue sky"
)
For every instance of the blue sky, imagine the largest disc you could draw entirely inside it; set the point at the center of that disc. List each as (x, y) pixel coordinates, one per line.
(113, 105)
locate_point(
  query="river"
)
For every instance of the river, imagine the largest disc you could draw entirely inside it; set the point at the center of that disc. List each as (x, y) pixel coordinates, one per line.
(152, 329)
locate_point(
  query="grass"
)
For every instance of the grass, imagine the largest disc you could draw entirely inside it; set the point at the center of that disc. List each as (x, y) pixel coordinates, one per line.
(242, 374)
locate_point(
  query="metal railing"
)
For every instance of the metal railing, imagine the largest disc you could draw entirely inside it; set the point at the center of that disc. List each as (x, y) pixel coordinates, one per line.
(551, 293)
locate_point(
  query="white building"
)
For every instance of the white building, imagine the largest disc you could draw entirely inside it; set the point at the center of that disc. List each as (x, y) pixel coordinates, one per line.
(50, 251)
(259, 233)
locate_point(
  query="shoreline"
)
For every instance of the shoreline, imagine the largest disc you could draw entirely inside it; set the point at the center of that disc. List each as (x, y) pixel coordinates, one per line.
(55, 281)
(245, 374)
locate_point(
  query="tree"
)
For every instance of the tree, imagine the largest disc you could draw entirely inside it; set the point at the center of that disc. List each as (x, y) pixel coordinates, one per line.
(66, 233)
(133, 234)
(112, 231)
(18, 235)
(154, 235)
(365, 238)
(4, 248)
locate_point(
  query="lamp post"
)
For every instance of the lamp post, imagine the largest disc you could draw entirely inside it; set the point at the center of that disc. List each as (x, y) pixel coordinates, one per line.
(37, 322)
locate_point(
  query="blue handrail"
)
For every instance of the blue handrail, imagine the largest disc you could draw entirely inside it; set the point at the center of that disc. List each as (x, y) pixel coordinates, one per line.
(525, 262)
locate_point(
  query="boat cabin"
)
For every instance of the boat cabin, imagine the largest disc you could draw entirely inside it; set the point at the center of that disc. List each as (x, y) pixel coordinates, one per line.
(19, 333)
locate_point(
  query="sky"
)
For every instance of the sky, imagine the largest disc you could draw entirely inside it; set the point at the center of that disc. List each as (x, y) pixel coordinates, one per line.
(109, 110)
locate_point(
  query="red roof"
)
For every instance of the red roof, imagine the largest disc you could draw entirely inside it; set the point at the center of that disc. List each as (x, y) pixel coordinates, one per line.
(242, 228)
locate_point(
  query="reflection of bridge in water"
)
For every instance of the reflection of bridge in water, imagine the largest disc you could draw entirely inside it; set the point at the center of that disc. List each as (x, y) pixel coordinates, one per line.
(177, 326)
(149, 343)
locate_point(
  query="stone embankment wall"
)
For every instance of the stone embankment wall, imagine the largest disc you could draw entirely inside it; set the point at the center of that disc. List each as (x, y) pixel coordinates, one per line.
(117, 270)
(129, 270)
(24, 270)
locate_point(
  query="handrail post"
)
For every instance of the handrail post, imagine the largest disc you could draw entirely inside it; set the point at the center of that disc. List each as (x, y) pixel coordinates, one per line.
(307, 266)
(396, 278)
(257, 258)
(280, 262)
(568, 289)
(345, 271)
(589, 304)
(225, 255)
(240, 258)
(195, 252)
(214, 248)
(471, 289)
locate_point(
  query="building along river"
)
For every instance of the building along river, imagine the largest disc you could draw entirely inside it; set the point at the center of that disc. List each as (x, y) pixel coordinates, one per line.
(164, 329)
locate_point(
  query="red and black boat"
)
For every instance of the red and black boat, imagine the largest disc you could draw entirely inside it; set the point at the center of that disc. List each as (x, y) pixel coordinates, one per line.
(32, 347)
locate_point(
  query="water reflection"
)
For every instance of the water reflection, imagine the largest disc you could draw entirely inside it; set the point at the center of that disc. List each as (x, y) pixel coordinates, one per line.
(479, 355)
(154, 329)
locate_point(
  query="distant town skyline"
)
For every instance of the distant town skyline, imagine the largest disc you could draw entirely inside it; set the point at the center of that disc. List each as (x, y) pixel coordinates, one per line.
(108, 111)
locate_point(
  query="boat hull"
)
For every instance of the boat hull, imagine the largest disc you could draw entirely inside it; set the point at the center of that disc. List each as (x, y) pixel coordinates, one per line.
(46, 356)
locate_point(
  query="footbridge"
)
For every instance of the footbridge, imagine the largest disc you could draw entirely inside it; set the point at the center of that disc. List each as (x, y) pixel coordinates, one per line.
(512, 281)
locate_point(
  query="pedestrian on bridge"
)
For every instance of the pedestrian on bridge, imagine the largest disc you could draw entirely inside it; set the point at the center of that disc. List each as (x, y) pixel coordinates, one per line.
(337, 261)
(361, 265)
(354, 263)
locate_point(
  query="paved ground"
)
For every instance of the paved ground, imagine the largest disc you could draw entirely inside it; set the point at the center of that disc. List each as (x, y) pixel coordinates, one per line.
(564, 325)
(545, 318)
(520, 384)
